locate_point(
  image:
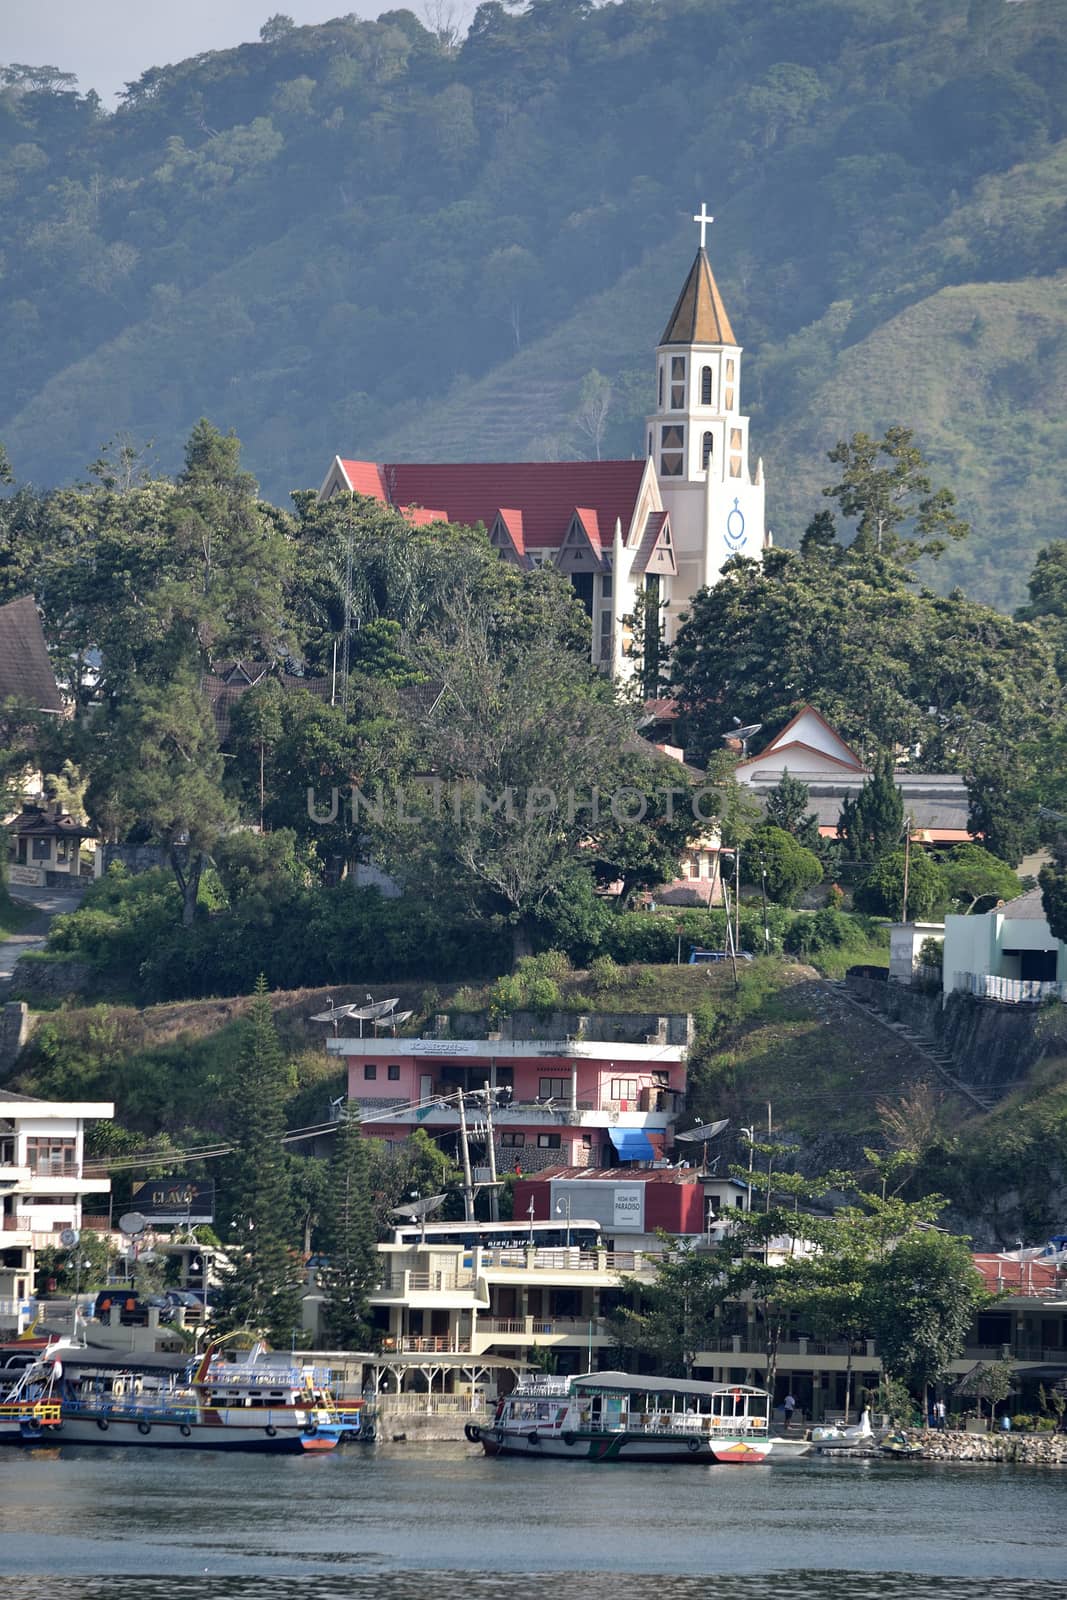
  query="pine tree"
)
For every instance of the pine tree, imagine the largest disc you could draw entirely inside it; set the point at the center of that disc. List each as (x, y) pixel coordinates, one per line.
(349, 1238)
(873, 823)
(262, 1291)
(787, 804)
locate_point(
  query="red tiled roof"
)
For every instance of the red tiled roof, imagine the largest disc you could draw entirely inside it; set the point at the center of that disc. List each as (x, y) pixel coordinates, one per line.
(588, 518)
(545, 492)
(365, 477)
(420, 517)
(512, 520)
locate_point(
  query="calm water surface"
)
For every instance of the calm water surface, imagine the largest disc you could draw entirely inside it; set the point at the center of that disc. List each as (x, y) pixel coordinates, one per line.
(442, 1522)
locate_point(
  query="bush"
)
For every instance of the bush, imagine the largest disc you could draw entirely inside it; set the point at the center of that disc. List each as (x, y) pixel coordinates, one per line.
(606, 974)
(882, 891)
(827, 930)
(790, 868)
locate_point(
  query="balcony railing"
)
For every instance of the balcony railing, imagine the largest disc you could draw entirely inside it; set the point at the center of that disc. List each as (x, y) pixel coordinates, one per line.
(573, 1260)
(52, 1167)
(425, 1282)
(426, 1344)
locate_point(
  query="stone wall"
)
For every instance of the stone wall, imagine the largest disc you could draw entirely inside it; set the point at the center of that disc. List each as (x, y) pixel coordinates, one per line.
(45, 981)
(14, 1032)
(1025, 1449)
(994, 1046)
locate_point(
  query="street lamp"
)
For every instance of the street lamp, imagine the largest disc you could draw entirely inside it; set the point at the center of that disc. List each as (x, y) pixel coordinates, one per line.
(565, 1201)
(750, 1135)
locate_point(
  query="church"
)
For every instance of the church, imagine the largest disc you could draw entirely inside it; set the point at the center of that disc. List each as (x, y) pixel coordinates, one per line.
(655, 529)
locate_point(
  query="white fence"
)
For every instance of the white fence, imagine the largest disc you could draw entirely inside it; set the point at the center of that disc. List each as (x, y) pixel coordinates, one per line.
(1009, 991)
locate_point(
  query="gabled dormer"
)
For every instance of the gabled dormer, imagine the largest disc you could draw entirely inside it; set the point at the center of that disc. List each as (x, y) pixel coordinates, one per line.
(582, 549)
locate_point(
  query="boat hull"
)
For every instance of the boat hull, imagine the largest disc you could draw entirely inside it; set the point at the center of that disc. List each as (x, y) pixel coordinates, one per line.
(606, 1447)
(181, 1435)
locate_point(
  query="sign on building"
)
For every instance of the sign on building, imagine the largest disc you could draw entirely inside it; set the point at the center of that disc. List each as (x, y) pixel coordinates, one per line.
(174, 1200)
(618, 1207)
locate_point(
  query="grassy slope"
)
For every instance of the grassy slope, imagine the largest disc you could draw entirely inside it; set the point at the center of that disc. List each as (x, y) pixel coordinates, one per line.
(13, 917)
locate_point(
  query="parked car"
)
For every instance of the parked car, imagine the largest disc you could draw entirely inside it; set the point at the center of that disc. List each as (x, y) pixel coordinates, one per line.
(698, 957)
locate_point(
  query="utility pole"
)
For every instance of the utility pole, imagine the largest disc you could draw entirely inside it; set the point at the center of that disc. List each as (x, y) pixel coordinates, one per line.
(907, 863)
(737, 899)
(730, 945)
(494, 1197)
(468, 1180)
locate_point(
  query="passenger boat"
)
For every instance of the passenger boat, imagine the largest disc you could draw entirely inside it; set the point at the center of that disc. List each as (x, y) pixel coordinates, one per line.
(612, 1416)
(176, 1402)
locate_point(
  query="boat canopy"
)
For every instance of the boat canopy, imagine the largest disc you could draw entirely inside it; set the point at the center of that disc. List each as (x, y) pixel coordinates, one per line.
(122, 1361)
(619, 1381)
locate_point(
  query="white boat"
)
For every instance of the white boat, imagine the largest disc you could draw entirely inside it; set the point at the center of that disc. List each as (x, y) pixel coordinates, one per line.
(833, 1436)
(613, 1416)
(83, 1396)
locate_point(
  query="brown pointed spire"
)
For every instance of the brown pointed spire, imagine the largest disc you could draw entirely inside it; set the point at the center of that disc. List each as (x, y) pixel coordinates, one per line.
(699, 316)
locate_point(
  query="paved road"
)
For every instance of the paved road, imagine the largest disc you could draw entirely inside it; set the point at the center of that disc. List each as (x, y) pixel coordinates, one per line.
(45, 903)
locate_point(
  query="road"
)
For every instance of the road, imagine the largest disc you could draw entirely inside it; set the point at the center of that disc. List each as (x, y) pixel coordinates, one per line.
(46, 903)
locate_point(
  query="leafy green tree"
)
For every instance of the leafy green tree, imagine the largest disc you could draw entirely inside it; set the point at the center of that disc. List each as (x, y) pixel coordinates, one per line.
(159, 769)
(638, 843)
(881, 894)
(972, 874)
(260, 873)
(790, 868)
(886, 487)
(349, 1237)
(1004, 804)
(872, 824)
(923, 1296)
(671, 1319)
(262, 1288)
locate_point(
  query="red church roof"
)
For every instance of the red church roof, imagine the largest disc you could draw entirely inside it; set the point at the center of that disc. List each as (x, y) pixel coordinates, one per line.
(544, 493)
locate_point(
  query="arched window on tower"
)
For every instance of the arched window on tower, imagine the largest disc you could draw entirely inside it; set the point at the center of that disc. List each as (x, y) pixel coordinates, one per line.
(705, 454)
(705, 387)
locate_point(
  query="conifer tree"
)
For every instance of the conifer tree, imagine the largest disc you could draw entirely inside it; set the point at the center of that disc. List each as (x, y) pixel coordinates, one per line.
(349, 1238)
(262, 1291)
(873, 823)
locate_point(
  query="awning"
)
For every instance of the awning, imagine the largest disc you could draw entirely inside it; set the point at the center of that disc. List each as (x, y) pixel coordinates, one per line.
(632, 1144)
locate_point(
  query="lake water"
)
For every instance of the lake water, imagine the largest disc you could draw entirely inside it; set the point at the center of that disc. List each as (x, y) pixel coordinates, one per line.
(441, 1522)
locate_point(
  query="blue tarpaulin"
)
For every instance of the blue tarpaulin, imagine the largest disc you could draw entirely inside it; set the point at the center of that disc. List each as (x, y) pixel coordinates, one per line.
(633, 1144)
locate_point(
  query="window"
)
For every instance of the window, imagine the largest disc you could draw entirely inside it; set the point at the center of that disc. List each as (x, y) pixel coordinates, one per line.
(706, 450)
(512, 1141)
(605, 634)
(677, 383)
(671, 446)
(52, 1158)
(42, 849)
(624, 1088)
(393, 1074)
(587, 1140)
(370, 1073)
(660, 400)
(650, 444)
(605, 587)
(554, 1088)
(705, 386)
(549, 1141)
(729, 369)
(735, 452)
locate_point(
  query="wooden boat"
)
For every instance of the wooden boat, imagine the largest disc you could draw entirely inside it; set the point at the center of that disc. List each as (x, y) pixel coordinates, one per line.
(178, 1402)
(613, 1416)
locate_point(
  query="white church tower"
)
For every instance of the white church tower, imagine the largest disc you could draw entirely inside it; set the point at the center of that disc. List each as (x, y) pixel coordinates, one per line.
(698, 439)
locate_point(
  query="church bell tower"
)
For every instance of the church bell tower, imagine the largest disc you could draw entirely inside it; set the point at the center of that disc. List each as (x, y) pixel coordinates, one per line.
(697, 437)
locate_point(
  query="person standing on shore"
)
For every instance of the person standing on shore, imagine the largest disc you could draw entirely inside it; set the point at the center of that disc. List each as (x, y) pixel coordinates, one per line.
(789, 1405)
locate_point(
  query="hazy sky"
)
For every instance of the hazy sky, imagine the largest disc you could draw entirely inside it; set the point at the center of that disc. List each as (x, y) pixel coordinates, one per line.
(110, 42)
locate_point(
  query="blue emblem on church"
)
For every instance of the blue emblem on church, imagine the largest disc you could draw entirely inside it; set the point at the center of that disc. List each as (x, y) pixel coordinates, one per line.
(735, 528)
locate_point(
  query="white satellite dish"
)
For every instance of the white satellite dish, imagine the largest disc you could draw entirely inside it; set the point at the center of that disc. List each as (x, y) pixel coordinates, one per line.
(417, 1210)
(69, 1238)
(132, 1223)
(744, 734)
(706, 1130)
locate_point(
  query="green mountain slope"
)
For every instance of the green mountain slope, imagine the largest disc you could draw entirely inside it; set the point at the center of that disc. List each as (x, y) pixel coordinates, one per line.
(356, 238)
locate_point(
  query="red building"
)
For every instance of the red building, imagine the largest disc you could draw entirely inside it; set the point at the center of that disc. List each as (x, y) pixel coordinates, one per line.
(574, 1102)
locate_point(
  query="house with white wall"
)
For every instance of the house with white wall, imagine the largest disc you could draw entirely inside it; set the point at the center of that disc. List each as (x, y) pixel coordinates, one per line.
(42, 1185)
(1009, 953)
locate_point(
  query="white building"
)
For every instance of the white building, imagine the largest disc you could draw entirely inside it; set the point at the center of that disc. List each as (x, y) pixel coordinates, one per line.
(42, 1184)
(1009, 953)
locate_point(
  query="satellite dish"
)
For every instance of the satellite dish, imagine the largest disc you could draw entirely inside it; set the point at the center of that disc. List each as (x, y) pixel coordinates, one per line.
(148, 1255)
(420, 1208)
(748, 732)
(69, 1238)
(132, 1223)
(706, 1130)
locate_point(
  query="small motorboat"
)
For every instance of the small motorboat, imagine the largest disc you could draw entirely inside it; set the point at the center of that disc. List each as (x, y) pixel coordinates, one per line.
(899, 1446)
(836, 1437)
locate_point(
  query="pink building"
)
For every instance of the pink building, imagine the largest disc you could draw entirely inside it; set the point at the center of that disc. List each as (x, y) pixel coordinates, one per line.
(579, 1103)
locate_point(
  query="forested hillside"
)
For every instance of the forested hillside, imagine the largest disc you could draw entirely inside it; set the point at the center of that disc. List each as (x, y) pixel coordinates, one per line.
(360, 237)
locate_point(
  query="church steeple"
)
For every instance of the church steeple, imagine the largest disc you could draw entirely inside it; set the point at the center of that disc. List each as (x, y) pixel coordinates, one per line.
(699, 316)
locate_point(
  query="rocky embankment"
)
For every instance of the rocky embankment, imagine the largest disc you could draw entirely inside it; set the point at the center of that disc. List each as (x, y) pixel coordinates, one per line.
(1025, 1449)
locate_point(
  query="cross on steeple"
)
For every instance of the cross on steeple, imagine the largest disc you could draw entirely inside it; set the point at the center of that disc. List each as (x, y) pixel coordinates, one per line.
(705, 222)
